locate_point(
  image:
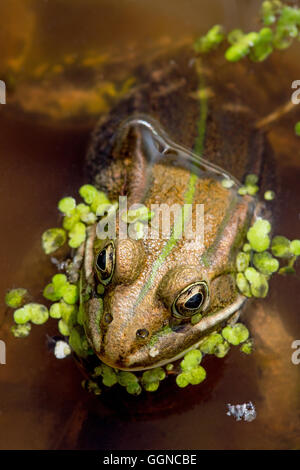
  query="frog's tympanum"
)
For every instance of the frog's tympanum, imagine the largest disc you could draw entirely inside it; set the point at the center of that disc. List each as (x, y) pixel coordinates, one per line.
(154, 287)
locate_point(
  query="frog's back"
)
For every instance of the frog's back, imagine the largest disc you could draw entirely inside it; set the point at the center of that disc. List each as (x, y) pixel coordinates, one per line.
(194, 105)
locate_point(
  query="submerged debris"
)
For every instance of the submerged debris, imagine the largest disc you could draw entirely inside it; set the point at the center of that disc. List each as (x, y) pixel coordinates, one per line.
(62, 350)
(245, 412)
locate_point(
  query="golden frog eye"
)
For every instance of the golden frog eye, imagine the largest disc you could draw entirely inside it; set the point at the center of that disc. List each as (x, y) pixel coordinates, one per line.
(191, 300)
(105, 263)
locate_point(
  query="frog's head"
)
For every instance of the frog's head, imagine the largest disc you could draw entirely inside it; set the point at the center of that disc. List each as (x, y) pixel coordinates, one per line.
(155, 289)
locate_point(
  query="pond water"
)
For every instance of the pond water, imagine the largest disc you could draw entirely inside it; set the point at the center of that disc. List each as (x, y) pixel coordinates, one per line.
(57, 54)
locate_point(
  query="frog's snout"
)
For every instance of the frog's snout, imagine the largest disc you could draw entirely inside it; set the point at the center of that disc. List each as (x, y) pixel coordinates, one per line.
(126, 329)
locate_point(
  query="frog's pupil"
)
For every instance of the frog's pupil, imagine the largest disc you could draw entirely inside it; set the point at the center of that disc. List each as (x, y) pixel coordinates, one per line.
(195, 301)
(101, 260)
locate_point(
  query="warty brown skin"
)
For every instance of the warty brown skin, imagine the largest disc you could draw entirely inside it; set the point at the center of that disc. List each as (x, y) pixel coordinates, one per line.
(119, 164)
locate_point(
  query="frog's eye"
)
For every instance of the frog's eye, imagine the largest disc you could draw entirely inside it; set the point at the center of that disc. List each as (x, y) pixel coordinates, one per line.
(105, 263)
(191, 300)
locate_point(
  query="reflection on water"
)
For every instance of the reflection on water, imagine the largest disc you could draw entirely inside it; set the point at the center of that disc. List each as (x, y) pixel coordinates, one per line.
(56, 56)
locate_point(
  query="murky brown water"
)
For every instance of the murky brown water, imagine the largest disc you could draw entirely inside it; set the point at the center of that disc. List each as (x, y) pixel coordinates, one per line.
(42, 146)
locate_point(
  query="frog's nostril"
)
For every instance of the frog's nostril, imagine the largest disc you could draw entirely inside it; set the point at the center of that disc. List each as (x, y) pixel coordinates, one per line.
(108, 318)
(142, 333)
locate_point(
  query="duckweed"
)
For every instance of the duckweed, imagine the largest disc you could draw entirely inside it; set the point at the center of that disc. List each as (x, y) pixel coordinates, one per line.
(91, 386)
(109, 377)
(269, 195)
(295, 247)
(246, 247)
(241, 47)
(70, 293)
(269, 10)
(151, 379)
(77, 235)
(222, 349)
(63, 328)
(21, 331)
(280, 247)
(59, 282)
(135, 388)
(258, 236)
(53, 239)
(235, 334)
(265, 263)
(88, 193)
(15, 298)
(251, 179)
(99, 202)
(247, 347)
(125, 378)
(55, 311)
(68, 313)
(191, 360)
(242, 261)
(60, 288)
(281, 27)
(287, 270)
(193, 377)
(243, 191)
(258, 282)
(209, 344)
(69, 221)
(130, 382)
(65, 298)
(243, 285)
(34, 312)
(227, 183)
(263, 46)
(22, 316)
(67, 205)
(38, 313)
(250, 187)
(211, 40)
(50, 294)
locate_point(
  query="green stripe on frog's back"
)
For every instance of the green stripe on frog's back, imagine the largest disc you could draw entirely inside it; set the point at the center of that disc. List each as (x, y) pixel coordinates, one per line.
(201, 124)
(209, 254)
(188, 197)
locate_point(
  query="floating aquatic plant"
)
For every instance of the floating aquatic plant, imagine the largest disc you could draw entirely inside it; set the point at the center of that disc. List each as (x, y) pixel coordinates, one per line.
(281, 27)
(254, 265)
(66, 308)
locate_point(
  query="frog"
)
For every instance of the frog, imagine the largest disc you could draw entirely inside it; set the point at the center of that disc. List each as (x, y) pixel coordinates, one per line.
(174, 140)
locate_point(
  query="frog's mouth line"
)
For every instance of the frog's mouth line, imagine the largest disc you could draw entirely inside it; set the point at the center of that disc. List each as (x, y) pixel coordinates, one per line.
(205, 324)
